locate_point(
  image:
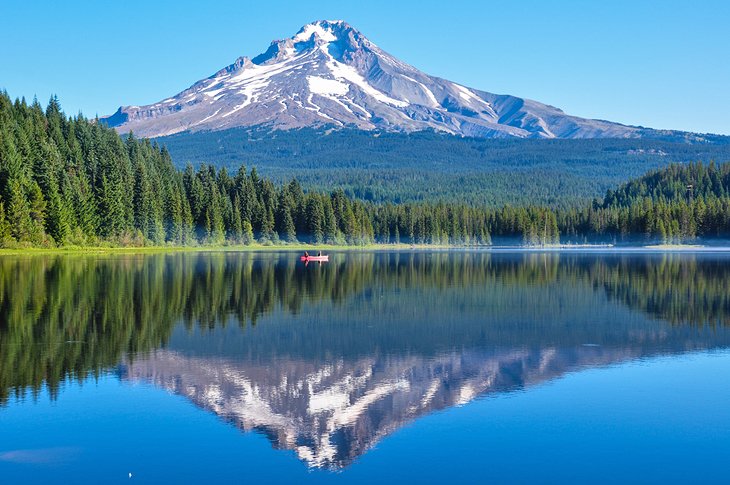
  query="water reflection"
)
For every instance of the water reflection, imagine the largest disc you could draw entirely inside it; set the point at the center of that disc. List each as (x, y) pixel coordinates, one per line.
(326, 360)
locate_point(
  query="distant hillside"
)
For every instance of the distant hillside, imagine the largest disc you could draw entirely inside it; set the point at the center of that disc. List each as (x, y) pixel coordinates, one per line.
(675, 204)
(400, 167)
(674, 183)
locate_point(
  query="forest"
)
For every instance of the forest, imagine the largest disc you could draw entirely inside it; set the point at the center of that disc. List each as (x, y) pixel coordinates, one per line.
(426, 166)
(70, 181)
(677, 204)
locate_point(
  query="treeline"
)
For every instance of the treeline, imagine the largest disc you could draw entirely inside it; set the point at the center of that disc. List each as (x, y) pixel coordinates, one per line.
(70, 181)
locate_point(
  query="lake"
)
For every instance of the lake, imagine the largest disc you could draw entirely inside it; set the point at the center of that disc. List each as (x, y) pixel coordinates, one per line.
(407, 366)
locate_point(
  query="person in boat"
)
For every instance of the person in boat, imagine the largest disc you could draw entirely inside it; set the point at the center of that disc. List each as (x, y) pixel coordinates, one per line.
(306, 254)
(319, 254)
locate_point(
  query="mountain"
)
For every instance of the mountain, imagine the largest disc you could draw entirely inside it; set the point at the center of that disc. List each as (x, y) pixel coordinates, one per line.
(330, 75)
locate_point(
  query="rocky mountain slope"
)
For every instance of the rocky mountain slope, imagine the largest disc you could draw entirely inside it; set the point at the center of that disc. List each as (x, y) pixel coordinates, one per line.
(330, 75)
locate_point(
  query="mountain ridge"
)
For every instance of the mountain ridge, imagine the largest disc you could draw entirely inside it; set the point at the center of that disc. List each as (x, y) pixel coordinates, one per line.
(330, 75)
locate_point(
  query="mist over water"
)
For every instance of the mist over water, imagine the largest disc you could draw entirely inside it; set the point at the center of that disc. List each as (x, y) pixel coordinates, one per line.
(329, 362)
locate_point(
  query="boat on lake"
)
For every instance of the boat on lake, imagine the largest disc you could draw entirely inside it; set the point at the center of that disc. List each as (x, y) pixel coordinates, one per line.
(319, 257)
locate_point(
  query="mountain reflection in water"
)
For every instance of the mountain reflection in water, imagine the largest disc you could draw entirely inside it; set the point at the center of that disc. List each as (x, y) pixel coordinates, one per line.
(326, 360)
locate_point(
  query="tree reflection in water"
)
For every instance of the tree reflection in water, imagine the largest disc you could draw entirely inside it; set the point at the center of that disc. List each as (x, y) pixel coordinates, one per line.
(327, 359)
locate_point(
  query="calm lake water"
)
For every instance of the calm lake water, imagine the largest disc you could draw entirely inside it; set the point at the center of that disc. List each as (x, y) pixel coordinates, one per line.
(409, 367)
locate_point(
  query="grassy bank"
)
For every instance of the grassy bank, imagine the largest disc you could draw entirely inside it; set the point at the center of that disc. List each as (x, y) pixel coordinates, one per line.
(325, 248)
(222, 248)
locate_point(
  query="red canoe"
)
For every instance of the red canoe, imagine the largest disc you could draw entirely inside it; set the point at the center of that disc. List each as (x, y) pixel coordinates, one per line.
(315, 258)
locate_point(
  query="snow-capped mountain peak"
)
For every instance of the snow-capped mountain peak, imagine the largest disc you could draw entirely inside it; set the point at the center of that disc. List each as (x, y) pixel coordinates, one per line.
(330, 74)
(324, 30)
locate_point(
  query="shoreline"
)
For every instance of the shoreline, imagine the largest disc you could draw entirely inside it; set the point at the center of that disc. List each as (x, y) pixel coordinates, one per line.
(261, 248)
(253, 248)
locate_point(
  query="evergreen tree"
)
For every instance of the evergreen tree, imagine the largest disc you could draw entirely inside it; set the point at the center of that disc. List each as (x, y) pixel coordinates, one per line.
(330, 221)
(18, 213)
(236, 232)
(4, 226)
(284, 221)
(247, 233)
(315, 219)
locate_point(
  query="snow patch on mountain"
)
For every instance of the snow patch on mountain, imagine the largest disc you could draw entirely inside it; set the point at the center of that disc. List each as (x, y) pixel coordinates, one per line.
(343, 71)
(320, 85)
(315, 29)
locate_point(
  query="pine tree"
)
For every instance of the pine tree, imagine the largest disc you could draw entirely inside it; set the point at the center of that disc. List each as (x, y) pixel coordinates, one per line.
(188, 235)
(141, 197)
(111, 208)
(218, 233)
(661, 231)
(18, 213)
(4, 227)
(330, 222)
(247, 233)
(284, 221)
(175, 230)
(268, 232)
(349, 224)
(237, 225)
(57, 220)
(315, 219)
(37, 205)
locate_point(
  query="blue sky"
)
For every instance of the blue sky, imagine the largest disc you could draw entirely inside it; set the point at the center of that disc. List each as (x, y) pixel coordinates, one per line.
(663, 64)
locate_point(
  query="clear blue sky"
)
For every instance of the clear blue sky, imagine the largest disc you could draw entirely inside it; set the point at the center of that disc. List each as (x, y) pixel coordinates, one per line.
(664, 64)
